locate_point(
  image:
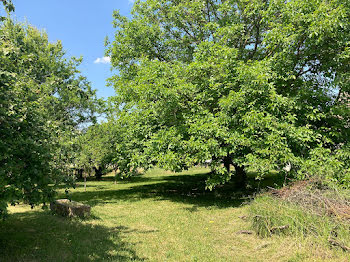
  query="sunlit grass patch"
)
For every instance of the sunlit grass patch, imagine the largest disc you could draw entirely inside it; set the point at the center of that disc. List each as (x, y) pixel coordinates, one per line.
(160, 216)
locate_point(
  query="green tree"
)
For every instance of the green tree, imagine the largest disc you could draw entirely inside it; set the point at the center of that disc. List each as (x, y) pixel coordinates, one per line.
(114, 145)
(131, 143)
(255, 83)
(96, 148)
(43, 101)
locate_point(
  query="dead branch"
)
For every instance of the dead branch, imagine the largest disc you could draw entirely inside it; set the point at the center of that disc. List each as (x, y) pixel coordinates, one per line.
(333, 242)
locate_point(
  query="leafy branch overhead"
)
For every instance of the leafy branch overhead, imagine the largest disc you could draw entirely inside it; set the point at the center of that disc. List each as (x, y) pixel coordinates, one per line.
(8, 6)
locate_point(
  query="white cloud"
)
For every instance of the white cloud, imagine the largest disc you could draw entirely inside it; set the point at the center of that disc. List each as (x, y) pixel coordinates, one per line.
(103, 60)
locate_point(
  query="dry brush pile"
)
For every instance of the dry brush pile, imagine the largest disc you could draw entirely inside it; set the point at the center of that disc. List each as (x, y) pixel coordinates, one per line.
(305, 209)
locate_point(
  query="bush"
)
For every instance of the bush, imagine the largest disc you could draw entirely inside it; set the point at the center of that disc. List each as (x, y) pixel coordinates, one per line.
(332, 168)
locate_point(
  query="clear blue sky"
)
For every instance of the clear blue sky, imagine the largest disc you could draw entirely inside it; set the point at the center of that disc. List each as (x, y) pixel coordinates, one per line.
(81, 25)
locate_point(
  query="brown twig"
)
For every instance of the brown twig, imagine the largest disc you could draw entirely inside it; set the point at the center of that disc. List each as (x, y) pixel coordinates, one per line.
(274, 229)
(246, 232)
(333, 242)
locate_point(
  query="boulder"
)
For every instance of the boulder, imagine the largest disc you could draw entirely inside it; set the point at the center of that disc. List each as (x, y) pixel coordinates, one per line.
(65, 207)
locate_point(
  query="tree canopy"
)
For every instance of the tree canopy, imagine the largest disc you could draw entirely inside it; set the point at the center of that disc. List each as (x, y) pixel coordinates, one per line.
(118, 145)
(43, 100)
(255, 84)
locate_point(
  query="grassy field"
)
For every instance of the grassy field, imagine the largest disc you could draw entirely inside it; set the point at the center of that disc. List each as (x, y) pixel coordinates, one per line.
(160, 216)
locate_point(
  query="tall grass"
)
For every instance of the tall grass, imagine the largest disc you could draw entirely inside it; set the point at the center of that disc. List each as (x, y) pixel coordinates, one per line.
(270, 215)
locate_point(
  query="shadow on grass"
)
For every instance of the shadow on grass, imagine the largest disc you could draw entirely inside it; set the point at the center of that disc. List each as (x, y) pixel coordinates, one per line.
(110, 177)
(189, 189)
(39, 236)
(133, 179)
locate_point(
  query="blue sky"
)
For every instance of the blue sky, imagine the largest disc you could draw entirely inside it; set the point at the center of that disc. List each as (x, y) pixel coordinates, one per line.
(81, 25)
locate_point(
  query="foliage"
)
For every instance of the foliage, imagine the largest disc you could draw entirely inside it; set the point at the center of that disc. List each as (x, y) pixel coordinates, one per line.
(330, 167)
(256, 84)
(8, 6)
(43, 100)
(130, 145)
(95, 148)
(116, 144)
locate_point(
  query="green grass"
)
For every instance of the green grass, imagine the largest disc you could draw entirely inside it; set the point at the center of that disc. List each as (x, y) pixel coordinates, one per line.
(160, 216)
(267, 213)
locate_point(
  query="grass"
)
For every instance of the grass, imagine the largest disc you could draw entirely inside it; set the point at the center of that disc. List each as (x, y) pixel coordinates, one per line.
(269, 213)
(160, 216)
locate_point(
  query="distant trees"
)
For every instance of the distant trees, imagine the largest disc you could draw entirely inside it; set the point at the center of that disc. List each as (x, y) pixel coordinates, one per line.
(117, 144)
(43, 100)
(96, 149)
(245, 83)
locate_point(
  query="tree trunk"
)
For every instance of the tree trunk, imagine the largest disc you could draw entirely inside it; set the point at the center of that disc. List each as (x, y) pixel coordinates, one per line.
(240, 176)
(98, 173)
(80, 173)
(227, 163)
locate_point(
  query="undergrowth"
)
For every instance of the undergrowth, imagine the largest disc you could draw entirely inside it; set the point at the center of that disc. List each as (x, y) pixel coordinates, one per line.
(303, 212)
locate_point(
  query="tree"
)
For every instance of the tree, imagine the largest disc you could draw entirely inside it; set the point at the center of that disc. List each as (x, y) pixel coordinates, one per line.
(43, 101)
(96, 148)
(245, 83)
(116, 144)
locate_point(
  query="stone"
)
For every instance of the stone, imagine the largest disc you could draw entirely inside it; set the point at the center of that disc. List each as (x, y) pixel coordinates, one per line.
(67, 208)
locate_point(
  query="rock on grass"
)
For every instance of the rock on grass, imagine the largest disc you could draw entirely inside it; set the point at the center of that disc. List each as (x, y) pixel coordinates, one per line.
(67, 208)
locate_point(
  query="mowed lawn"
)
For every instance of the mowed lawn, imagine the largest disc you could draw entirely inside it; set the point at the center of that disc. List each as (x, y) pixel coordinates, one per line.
(160, 216)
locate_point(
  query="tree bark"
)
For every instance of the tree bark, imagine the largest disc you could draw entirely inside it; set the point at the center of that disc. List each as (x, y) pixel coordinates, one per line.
(80, 173)
(98, 173)
(240, 176)
(227, 163)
